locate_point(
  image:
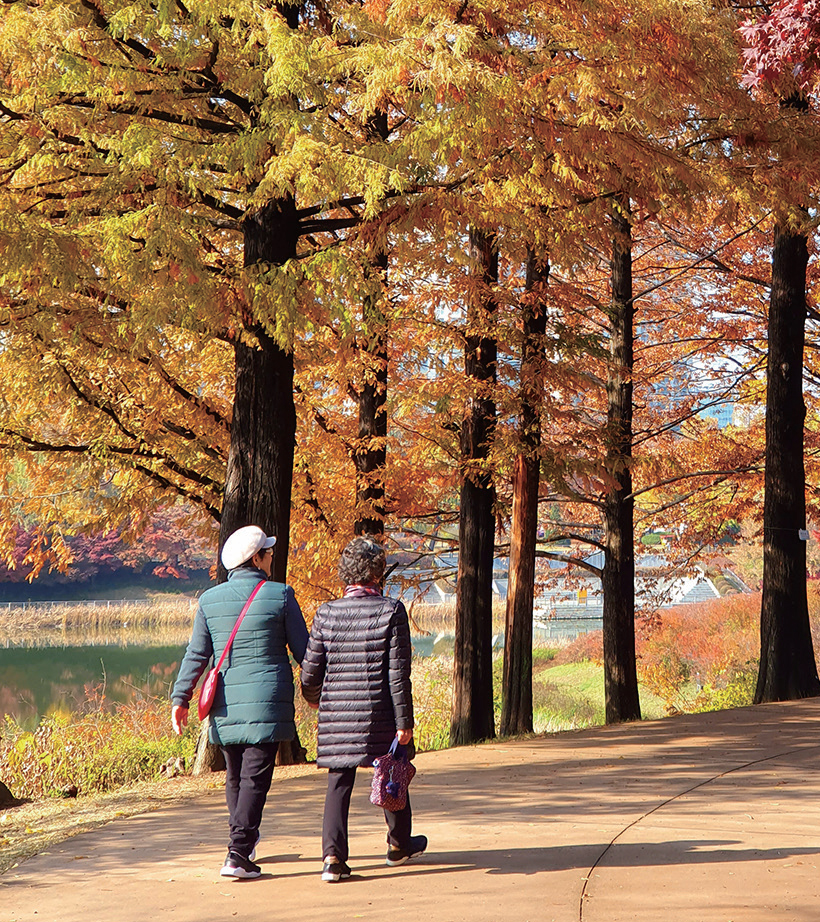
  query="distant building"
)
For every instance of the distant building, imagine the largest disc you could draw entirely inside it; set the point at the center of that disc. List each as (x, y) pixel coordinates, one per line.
(722, 413)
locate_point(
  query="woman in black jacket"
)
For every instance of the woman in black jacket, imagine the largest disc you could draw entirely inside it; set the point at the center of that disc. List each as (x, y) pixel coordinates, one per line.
(357, 671)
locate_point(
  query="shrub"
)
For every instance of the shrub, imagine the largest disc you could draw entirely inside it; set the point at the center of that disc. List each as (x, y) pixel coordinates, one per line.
(586, 647)
(543, 657)
(703, 646)
(697, 657)
(734, 691)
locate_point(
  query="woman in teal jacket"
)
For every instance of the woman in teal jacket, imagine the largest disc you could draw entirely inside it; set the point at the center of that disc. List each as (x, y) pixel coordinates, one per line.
(253, 707)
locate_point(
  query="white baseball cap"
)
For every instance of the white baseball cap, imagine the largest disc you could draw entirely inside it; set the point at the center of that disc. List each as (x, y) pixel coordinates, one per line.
(243, 544)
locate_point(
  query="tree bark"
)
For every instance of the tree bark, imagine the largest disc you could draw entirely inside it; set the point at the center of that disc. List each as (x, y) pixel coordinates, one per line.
(473, 717)
(787, 666)
(291, 752)
(516, 688)
(7, 799)
(259, 479)
(618, 578)
(208, 756)
(370, 455)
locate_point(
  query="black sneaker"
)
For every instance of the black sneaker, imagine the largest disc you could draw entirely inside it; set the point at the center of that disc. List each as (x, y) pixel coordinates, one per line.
(237, 866)
(334, 871)
(416, 846)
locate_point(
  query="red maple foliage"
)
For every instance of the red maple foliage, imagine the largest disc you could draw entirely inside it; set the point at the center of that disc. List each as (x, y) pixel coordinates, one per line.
(168, 547)
(785, 42)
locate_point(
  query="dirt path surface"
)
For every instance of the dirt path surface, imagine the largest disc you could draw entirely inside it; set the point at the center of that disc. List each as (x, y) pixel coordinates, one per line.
(706, 818)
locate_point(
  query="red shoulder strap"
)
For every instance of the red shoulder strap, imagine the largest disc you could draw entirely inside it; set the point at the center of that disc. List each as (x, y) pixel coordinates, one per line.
(242, 614)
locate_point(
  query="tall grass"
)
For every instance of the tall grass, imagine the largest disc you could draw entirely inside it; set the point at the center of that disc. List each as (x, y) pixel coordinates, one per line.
(96, 748)
(441, 618)
(163, 621)
(432, 678)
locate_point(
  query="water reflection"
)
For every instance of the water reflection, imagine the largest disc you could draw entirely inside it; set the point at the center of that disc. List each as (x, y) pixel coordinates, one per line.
(59, 676)
(61, 670)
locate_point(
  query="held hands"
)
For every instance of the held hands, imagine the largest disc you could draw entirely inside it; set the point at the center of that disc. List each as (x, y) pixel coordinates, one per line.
(179, 718)
(404, 736)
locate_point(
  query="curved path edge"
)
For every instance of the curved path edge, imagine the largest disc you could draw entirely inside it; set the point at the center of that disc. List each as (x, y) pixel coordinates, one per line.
(709, 818)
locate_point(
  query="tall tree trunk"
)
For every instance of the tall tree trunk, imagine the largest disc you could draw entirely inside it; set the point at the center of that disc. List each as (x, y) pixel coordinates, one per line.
(259, 479)
(263, 431)
(618, 578)
(787, 665)
(516, 688)
(208, 757)
(472, 673)
(370, 454)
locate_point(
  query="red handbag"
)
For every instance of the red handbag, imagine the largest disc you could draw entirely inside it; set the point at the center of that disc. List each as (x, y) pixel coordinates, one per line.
(392, 774)
(209, 686)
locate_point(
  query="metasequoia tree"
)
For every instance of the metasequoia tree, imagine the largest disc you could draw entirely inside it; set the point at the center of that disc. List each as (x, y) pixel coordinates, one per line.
(618, 578)
(211, 219)
(370, 454)
(151, 181)
(181, 169)
(371, 449)
(472, 678)
(787, 665)
(516, 685)
(545, 116)
(782, 63)
(686, 476)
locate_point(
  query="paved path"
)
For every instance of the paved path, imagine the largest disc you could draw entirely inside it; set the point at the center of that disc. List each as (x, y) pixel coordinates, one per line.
(705, 818)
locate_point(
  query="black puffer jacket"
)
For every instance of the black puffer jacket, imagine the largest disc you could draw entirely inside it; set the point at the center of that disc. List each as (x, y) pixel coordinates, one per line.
(357, 666)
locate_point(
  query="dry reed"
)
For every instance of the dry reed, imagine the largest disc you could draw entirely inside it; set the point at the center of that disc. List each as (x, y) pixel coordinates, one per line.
(441, 618)
(166, 621)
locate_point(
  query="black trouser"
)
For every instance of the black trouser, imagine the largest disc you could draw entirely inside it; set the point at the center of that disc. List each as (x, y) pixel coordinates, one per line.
(337, 808)
(248, 777)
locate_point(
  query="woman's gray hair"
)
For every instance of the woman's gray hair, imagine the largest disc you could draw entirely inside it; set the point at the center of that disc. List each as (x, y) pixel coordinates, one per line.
(362, 561)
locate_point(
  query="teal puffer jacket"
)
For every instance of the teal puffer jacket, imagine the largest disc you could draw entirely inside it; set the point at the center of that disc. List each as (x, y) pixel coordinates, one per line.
(254, 699)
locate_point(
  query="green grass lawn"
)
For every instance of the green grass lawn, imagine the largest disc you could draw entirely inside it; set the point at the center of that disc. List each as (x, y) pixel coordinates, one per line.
(572, 696)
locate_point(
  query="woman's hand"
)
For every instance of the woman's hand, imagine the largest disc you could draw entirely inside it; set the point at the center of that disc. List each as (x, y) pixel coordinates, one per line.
(404, 736)
(179, 718)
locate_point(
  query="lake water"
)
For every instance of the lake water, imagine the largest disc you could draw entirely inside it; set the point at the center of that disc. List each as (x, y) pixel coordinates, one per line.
(61, 676)
(48, 679)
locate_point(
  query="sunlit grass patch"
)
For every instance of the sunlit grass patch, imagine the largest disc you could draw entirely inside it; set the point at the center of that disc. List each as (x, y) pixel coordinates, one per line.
(571, 696)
